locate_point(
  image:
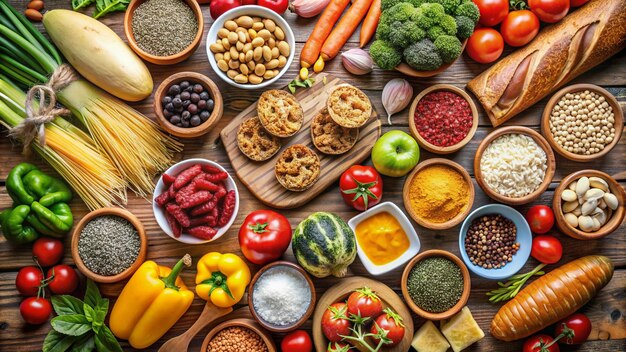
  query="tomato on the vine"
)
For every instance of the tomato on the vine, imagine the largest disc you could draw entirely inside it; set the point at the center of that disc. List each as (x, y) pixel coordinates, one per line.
(62, 279)
(335, 322)
(361, 187)
(540, 343)
(492, 12)
(575, 329)
(546, 249)
(540, 218)
(549, 11)
(297, 341)
(264, 236)
(35, 310)
(485, 45)
(48, 251)
(28, 280)
(364, 303)
(519, 27)
(392, 323)
(338, 347)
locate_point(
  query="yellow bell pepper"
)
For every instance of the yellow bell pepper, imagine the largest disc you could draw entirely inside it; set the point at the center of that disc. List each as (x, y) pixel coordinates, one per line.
(222, 278)
(151, 303)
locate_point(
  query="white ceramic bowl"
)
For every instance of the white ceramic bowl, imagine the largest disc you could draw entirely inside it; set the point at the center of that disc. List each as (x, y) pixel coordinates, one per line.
(250, 10)
(159, 213)
(414, 241)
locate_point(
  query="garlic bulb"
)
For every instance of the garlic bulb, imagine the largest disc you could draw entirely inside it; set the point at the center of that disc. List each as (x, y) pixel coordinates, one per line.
(357, 61)
(308, 8)
(397, 95)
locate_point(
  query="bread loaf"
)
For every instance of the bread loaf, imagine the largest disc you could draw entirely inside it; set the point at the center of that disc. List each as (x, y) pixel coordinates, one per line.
(582, 40)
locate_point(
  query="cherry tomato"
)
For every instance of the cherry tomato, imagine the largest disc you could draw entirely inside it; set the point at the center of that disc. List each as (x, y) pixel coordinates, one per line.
(485, 45)
(392, 322)
(549, 11)
(519, 27)
(48, 251)
(547, 249)
(492, 12)
(361, 187)
(264, 236)
(339, 347)
(297, 341)
(364, 302)
(335, 322)
(577, 3)
(218, 7)
(65, 279)
(278, 6)
(579, 325)
(28, 280)
(540, 218)
(35, 310)
(248, 2)
(539, 343)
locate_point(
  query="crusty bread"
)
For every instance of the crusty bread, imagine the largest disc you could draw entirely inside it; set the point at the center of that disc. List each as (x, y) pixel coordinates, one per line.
(330, 138)
(297, 168)
(280, 113)
(349, 106)
(256, 143)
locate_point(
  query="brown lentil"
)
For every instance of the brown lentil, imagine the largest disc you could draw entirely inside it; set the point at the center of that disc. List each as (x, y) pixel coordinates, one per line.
(490, 241)
(237, 339)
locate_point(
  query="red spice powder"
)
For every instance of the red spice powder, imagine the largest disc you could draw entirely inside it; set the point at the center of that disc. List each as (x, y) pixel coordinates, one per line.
(443, 118)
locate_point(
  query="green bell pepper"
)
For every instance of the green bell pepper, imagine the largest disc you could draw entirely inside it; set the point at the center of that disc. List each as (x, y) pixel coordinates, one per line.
(13, 224)
(15, 186)
(56, 217)
(27, 184)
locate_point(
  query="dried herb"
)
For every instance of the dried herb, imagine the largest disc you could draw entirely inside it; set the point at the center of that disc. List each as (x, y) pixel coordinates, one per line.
(435, 284)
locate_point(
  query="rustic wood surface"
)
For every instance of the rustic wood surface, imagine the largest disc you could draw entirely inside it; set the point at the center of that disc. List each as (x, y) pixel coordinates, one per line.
(606, 311)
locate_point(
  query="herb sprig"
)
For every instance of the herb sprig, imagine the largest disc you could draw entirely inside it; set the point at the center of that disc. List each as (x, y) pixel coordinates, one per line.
(297, 83)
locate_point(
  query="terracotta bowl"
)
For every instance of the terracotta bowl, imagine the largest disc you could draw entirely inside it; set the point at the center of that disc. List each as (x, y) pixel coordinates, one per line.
(141, 257)
(410, 71)
(189, 132)
(423, 142)
(551, 167)
(267, 325)
(244, 323)
(466, 285)
(611, 225)
(163, 60)
(407, 198)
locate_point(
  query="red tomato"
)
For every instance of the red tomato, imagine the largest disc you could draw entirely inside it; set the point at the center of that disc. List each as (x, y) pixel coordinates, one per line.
(35, 310)
(392, 323)
(248, 2)
(540, 343)
(264, 236)
(519, 27)
(28, 280)
(218, 7)
(492, 12)
(485, 45)
(540, 218)
(339, 347)
(48, 251)
(361, 187)
(578, 329)
(549, 11)
(365, 303)
(335, 322)
(297, 341)
(577, 3)
(64, 281)
(547, 249)
(278, 6)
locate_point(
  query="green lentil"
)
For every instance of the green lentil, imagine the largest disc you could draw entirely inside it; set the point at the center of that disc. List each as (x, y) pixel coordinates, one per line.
(435, 284)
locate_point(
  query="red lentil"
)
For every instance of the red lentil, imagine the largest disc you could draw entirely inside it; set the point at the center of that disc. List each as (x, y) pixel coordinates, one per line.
(237, 339)
(443, 118)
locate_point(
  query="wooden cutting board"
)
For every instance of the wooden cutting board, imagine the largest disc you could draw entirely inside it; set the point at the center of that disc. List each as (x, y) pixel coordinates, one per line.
(259, 177)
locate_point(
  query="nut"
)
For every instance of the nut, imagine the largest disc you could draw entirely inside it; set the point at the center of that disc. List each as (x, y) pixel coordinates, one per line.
(269, 25)
(245, 22)
(230, 25)
(611, 200)
(582, 186)
(571, 219)
(597, 182)
(568, 195)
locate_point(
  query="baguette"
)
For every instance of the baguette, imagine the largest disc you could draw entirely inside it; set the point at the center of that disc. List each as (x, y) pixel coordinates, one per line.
(552, 297)
(582, 40)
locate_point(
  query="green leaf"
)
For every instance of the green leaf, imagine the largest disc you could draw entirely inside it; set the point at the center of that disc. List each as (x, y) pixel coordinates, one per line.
(106, 342)
(57, 342)
(85, 343)
(74, 325)
(79, 4)
(67, 305)
(104, 7)
(100, 313)
(89, 313)
(92, 295)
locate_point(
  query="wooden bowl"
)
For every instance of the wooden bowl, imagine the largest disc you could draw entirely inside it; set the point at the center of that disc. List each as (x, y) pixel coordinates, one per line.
(410, 71)
(406, 198)
(611, 225)
(244, 323)
(551, 167)
(163, 60)
(189, 132)
(270, 326)
(617, 111)
(429, 146)
(340, 292)
(466, 285)
(141, 257)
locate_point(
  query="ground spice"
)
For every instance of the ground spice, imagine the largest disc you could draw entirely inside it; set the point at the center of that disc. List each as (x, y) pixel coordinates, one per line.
(435, 284)
(438, 193)
(236, 339)
(443, 118)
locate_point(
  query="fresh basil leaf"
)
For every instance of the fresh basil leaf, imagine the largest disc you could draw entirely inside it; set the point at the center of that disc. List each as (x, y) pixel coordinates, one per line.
(89, 313)
(92, 295)
(67, 305)
(104, 7)
(100, 313)
(79, 4)
(57, 342)
(106, 342)
(74, 325)
(85, 343)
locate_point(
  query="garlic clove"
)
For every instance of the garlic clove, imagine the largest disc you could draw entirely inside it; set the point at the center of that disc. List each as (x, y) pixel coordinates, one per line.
(568, 195)
(593, 194)
(600, 215)
(572, 186)
(597, 182)
(396, 96)
(357, 61)
(308, 8)
(569, 206)
(577, 211)
(582, 186)
(588, 207)
(611, 200)
(571, 219)
(585, 223)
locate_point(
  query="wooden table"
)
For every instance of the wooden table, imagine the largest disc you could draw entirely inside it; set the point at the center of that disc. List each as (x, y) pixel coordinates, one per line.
(606, 311)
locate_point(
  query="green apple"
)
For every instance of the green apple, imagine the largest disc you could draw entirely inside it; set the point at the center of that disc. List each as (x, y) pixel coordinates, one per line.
(395, 153)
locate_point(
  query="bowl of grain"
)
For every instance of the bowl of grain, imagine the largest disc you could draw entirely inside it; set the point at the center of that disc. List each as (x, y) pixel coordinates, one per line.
(108, 245)
(514, 165)
(582, 122)
(164, 32)
(238, 335)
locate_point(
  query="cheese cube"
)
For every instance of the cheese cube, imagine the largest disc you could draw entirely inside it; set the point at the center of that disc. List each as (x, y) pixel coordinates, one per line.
(462, 330)
(429, 339)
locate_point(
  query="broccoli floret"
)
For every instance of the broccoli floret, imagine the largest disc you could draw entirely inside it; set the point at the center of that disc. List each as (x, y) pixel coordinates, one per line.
(423, 56)
(387, 4)
(401, 34)
(448, 24)
(385, 55)
(400, 12)
(383, 29)
(448, 5)
(435, 32)
(464, 27)
(433, 10)
(449, 48)
(417, 3)
(468, 9)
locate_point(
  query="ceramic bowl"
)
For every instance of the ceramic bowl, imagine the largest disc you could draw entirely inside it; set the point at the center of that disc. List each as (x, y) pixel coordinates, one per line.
(159, 213)
(414, 241)
(250, 10)
(242, 323)
(141, 257)
(524, 238)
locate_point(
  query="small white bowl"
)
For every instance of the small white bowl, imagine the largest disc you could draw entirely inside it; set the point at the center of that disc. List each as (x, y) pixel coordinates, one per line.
(414, 241)
(249, 10)
(159, 213)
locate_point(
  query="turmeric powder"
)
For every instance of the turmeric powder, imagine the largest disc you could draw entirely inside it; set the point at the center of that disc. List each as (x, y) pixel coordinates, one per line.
(438, 193)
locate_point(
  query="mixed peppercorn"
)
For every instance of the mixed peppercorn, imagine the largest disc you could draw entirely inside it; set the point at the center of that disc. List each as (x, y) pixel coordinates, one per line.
(491, 241)
(443, 118)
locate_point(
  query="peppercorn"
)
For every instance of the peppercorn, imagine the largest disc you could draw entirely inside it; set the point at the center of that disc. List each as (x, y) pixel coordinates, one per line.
(491, 241)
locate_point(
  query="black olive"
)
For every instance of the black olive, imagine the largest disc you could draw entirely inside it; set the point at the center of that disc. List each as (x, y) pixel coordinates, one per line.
(184, 85)
(177, 102)
(169, 107)
(174, 89)
(166, 100)
(167, 113)
(198, 88)
(192, 108)
(204, 115)
(185, 95)
(189, 89)
(195, 97)
(186, 103)
(175, 119)
(210, 104)
(195, 120)
(185, 115)
(201, 104)
(204, 95)
(185, 123)
(177, 96)
(178, 109)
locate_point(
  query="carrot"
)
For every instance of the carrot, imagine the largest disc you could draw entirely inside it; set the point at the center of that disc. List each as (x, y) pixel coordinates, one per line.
(330, 16)
(344, 29)
(368, 29)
